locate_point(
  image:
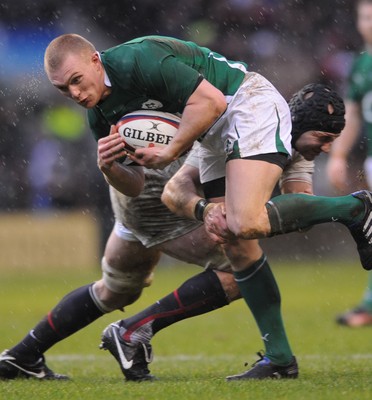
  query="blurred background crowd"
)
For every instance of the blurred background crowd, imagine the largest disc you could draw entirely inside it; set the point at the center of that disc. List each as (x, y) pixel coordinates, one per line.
(47, 156)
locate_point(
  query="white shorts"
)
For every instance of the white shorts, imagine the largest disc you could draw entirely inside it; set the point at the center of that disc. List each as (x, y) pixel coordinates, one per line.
(145, 217)
(257, 121)
(124, 233)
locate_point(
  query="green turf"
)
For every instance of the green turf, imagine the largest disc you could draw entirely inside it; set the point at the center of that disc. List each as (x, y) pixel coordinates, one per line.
(193, 357)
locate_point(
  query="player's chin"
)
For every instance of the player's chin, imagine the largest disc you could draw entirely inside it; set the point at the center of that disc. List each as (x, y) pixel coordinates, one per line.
(88, 103)
(310, 155)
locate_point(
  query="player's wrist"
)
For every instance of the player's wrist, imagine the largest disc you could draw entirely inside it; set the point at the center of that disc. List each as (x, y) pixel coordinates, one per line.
(200, 208)
(338, 155)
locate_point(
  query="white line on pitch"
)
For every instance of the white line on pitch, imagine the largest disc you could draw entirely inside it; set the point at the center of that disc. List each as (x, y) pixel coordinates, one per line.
(198, 357)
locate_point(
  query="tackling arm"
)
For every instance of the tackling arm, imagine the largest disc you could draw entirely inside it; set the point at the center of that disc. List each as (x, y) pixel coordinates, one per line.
(342, 146)
(183, 191)
(297, 177)
(296, 187)
(182, 195)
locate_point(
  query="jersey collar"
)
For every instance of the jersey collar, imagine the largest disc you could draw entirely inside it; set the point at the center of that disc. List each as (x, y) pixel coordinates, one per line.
(106, 78)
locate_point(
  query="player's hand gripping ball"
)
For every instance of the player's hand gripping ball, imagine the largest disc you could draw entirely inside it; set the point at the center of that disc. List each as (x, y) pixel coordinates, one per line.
(147, 128)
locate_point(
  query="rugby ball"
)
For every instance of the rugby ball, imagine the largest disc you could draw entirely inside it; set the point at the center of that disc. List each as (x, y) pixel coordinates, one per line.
(147, 128)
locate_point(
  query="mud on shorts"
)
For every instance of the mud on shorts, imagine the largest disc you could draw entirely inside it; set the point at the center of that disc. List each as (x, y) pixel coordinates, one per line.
(256, 121)
(215, 261)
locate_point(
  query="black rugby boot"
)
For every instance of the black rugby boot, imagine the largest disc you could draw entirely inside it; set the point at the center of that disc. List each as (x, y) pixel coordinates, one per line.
(266, 369)
(133, 358)
(12, 367)
(362, 230)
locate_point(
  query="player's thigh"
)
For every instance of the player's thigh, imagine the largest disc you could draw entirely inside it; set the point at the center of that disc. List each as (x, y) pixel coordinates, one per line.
(196, 247)
(126, 255)
(249, 185)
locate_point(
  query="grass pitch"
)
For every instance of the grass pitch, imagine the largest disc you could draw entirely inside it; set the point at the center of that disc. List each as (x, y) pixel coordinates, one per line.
(193, 357)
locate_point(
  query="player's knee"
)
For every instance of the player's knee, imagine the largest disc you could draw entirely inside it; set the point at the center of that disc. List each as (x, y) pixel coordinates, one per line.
(229, 285)
(127, 284)
(250, 227)
(245, 229)
(106, 300)
(117, 290)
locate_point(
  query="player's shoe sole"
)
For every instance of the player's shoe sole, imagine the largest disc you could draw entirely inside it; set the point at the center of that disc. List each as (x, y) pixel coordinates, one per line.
(266, 369)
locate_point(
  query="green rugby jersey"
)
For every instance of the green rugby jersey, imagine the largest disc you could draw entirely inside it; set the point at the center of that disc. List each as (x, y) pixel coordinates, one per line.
(360, 91)
(159, 73)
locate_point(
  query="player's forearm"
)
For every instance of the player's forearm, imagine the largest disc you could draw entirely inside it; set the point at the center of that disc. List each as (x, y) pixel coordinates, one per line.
(196, 120)
(296, 186)
(125, 179)
(183, 191)
(202, 110)
(343, 145)
(181, 197)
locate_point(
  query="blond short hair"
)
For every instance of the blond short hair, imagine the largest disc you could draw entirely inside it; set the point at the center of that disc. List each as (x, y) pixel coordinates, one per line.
(59, 47)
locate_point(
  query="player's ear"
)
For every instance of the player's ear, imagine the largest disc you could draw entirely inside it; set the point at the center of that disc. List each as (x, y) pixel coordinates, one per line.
(95, 58)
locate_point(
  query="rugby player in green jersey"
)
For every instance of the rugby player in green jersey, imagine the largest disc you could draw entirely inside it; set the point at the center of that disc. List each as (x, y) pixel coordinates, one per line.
(253, 134)
(78, 71)
(134, 250)
(358, 106)
(143, 229)
(238, 117)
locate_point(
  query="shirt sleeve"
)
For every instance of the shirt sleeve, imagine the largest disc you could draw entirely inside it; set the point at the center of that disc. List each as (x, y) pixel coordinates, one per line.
(299, 170)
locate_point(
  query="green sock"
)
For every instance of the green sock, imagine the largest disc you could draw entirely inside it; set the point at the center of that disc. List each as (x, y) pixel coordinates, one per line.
(293, 212)
(367, 297)
(261, 293)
